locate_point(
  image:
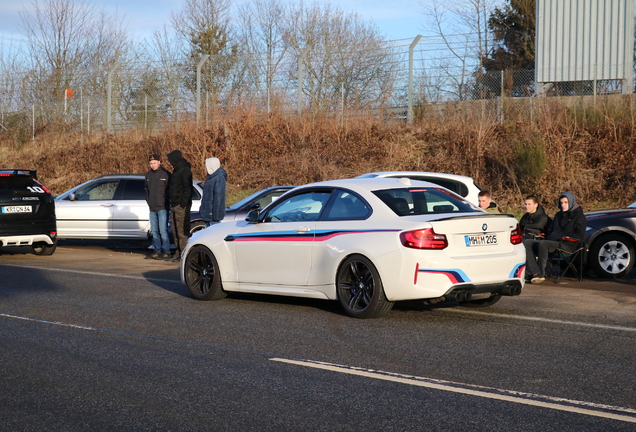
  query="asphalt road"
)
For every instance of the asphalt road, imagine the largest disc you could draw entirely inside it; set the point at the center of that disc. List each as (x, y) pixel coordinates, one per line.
(96, 337)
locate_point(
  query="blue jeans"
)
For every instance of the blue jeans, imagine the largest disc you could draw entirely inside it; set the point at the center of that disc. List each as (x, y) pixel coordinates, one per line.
(159, 230)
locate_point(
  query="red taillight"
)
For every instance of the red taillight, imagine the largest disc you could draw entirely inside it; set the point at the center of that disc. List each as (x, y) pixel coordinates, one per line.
(515, 236)
(423, 239)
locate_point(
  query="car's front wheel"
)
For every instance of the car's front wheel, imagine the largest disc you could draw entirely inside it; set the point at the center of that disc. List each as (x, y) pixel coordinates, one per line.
(44, 248)
(611, 256)
(202, 275)
(360, 289)
(196, 226)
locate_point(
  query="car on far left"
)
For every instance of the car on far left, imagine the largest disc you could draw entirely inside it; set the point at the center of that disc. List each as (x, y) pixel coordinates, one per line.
(27, 212)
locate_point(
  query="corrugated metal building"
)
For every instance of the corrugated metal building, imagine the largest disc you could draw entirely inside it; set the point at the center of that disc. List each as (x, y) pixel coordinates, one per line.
(585, 40)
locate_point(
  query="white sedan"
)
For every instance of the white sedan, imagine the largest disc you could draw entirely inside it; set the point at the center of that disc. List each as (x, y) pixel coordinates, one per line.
(112, 206)
(364, 242)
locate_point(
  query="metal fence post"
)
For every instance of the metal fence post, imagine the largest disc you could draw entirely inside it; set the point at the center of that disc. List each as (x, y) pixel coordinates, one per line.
(409, 114)
(301, 64)
(501, 99)
(199, 66)
(109, 98)
(24, 86)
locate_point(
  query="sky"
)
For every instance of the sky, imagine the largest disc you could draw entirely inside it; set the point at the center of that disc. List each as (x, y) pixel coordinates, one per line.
(397, 19)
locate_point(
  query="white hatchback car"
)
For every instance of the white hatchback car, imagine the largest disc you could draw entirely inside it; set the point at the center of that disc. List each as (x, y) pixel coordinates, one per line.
(109, 207)
(461, 185)
(364, 242)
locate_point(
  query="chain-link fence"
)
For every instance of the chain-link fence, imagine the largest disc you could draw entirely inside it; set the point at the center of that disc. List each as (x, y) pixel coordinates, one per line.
(390, 80)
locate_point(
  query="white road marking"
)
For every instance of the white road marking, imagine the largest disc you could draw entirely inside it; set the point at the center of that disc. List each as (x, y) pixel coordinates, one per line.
(561, 404)
(544, 320)
(578, 407)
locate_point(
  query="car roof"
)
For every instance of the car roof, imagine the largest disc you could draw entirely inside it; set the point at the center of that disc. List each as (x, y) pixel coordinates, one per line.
(415, 173)
(373, 183)
(25, 172)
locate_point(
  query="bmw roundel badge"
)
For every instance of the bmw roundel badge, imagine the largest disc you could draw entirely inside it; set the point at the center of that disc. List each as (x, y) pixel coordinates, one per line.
(484, 227)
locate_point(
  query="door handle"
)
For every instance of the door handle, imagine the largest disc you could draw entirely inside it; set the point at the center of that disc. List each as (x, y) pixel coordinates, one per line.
(302, 229)
(107, 205)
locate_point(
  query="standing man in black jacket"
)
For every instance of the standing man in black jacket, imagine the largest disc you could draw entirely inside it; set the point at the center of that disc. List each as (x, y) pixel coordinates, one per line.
(157, 182)
(180, 201)
(567, 229)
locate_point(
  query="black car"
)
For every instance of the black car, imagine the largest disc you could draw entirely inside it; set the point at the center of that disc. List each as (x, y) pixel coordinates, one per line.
(611, 241)
(239, 210)
(27, 212)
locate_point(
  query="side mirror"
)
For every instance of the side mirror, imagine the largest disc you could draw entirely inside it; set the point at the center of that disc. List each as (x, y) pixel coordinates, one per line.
(252, 216)
(72, 197)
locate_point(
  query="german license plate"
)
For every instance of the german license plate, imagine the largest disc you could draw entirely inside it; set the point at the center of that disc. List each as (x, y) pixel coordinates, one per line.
(480, 240)
(16, 209)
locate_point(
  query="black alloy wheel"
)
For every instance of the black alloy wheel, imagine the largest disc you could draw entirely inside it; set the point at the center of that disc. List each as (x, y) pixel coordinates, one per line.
(202, 275)
(44, 249)
(360, 289)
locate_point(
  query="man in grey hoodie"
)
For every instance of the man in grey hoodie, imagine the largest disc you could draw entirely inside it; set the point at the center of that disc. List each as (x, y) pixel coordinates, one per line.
(213, 201)
(567, 229)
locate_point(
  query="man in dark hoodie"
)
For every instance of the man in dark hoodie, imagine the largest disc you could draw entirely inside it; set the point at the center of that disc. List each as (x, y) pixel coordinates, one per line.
(213, 201)
(566, 230)
(180, 201)
(157, 181)
(534, 223)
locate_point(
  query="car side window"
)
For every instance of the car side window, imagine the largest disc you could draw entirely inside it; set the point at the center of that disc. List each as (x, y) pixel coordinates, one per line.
(196, 196)
(134, 190)
(457, 187)
(300, 207)
(347, 206)
(269, 198)
(97, 191)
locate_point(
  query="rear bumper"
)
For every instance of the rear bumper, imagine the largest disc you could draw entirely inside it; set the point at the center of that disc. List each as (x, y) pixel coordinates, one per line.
(465, 292)
(25, 240)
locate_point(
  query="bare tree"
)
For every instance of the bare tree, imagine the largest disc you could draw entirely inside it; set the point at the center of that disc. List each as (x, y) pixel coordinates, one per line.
(347, 62)
(67, 38)
(462, 28)
(262, 25)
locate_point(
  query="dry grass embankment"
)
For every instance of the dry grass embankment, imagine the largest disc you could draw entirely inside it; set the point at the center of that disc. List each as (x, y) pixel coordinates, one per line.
(544, 148)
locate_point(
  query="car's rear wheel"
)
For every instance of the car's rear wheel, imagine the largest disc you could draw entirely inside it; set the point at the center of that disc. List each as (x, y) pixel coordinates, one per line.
(202, 275)
(196, 226)
(611, 256)
(482, 302)
(42, 248)
(360, 289)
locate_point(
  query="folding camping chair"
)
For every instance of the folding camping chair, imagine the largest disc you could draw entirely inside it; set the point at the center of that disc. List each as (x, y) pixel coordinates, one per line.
(563, 260)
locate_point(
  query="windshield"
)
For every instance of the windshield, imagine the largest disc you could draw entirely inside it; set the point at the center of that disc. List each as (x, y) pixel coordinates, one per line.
(422, 201)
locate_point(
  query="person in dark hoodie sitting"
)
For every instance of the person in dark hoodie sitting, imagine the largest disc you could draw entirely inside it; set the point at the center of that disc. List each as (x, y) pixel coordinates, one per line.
(213, 201)
(180, 201)
(568, 228)
(535, 222)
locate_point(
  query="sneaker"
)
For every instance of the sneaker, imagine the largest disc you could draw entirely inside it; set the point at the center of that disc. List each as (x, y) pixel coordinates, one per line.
(537, 279)
(173, 258)
(153, 256)
(164, 256)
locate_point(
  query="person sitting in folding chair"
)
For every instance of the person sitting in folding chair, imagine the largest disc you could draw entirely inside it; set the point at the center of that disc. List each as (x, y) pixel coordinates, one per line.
(566, 231)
